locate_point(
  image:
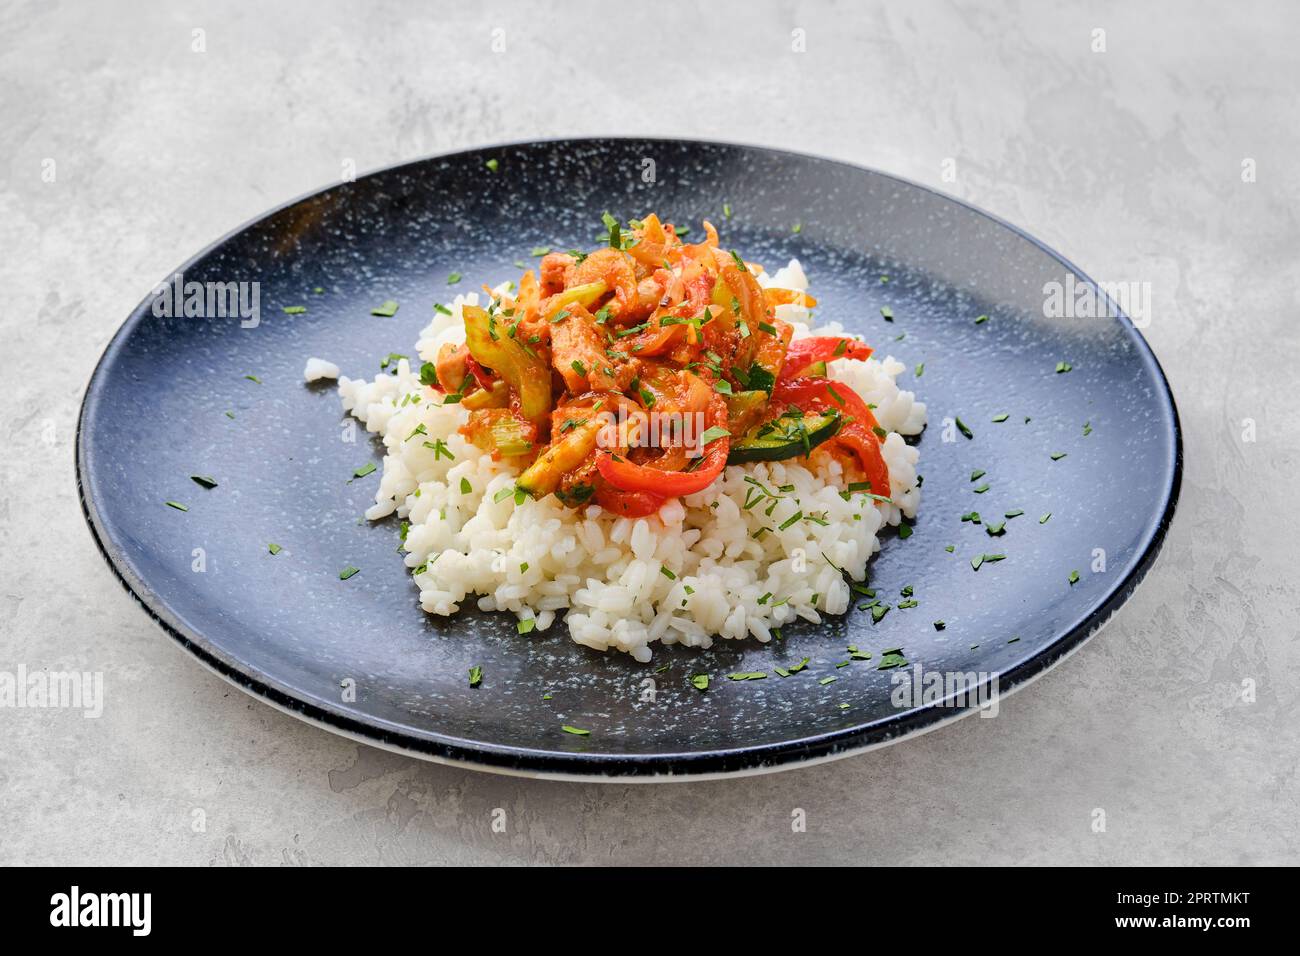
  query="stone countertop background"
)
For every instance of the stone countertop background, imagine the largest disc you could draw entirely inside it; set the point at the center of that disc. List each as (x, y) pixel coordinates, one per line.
(1180, 721)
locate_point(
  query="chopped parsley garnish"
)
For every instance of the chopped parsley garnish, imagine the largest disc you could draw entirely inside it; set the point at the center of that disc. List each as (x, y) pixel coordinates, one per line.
(465, 487)
(274, 548)
(887, 312)
(977, 474)
(1074, 577)
(747, 675)
(204, 480)
(904, 531)
(1063, 367)
(576, 731)
(253, 378)
(493, 165)
(919, 369)
(981, 319)
(980, 489)
(527, 625)
(961, 427)
(348, 572)
(667, 573)
(453, 278)
(1043, 519)
(1013, 514)
(998, 419)
(1058, 455)
(475, 675)
(364, 470)
(428, 374)
(700, 681)
(293, 309)
(712, 434)
(177, 505)
(387, 310)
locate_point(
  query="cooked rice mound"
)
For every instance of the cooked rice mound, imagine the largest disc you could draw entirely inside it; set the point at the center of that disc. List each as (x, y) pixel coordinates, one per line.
(704, 566)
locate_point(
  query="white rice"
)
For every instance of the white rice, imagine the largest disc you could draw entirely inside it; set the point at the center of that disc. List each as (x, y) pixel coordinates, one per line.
(538, 558)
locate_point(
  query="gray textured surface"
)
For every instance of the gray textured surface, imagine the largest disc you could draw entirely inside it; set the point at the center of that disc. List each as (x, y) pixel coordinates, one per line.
(1128, 161)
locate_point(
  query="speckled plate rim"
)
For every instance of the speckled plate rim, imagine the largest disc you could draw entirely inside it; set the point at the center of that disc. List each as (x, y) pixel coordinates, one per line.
(623, 768)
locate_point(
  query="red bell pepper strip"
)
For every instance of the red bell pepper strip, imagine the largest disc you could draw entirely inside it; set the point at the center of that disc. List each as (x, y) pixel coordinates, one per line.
(864, 443)
(805, 352)
(809, 393)
(627, 476)
(626, 504)
(859, 435)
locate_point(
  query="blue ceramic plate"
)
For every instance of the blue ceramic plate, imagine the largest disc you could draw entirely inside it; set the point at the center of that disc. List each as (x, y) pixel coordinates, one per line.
(174, 397)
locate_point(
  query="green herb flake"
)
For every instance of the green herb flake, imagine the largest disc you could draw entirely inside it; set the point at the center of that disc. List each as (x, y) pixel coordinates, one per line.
(364, 470)
(274, 548)
(348, 572)
(904, 531)
(475, 675)
(700, 681)
(1063, 367)
(1043, 519)
(887, 312)
(576, 731)
(465, 487)
(940, 625)
(977, 474)
(667, 573)
(999, 419)
(177, 505)
(980, 489)
(526, 625)
(1087, 429)
(747, 675)
(828, 680)
(891, 659)
(950, 548)
(293, 309)
(453, 278)
(1015, 513)
(981, 319)
(920, 368)
(962, 427)
(996, 529)
(204, 480)
(387, 310)
(493, 165)
(878, 611)
(253, 378)
(1074, 577)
